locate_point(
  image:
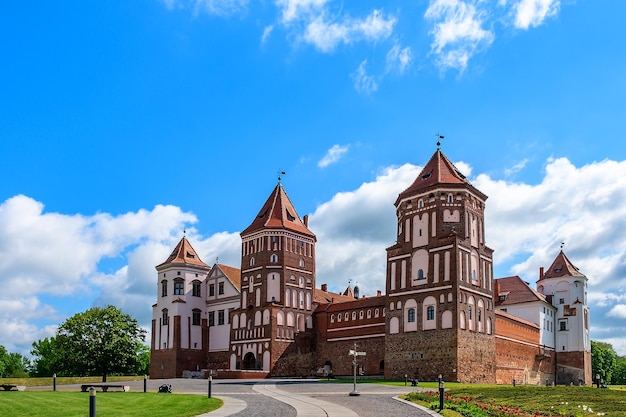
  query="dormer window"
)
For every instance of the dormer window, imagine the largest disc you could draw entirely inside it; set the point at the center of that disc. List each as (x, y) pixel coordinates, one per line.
(427, 175)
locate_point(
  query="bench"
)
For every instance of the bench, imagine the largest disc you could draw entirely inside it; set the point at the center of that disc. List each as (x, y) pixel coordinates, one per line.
(104, 387)
(11, 387)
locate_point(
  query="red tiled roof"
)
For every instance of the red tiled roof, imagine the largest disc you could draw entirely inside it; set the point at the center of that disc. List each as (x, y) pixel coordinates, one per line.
(516, 290)
(439, 170)
(279, 213)
(232, 273)
(183, 253)
(366, 302)
(561, 267)
(326, 297)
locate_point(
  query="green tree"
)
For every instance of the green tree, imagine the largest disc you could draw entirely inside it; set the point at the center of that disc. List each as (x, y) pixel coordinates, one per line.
(13, 364)
(100, 341)
(603, 360)
(47, 358)
(142, 365)
(620, 371)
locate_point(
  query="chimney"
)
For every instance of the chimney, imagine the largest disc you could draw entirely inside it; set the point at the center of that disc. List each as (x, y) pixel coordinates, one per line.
(540, 272)
(306, 220)
(325, 287)
(378, 293)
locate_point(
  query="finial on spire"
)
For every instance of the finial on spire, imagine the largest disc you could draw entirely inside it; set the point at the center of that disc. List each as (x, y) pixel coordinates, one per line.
(562, 244)
(185, 232)
(439, 137)
(280, 174)
(217, 259)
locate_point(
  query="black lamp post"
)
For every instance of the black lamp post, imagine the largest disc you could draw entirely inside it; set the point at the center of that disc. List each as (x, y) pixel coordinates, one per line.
(440, 392)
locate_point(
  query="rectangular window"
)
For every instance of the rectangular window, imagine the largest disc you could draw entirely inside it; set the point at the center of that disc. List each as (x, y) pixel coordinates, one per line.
(563, 325)
(163, 288)
(179, 287)
(430, 313)
(561, 300)
(220, 288)
(195, 291)
(411, 315)
(220, 317)
(195, 317)
(164, 321)
(211, 318)
(211, 290)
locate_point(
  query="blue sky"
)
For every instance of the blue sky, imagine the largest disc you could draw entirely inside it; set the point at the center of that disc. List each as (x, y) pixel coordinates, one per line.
(124, 123)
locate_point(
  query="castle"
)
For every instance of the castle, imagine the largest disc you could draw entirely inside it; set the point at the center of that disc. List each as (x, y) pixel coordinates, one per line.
(443, 313)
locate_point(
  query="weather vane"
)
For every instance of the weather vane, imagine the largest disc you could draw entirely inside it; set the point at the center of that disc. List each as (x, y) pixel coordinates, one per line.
(439, 137)
(280, 174)
(562, 244)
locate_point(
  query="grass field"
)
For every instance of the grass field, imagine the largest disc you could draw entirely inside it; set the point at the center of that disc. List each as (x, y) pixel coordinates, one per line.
(108, 404)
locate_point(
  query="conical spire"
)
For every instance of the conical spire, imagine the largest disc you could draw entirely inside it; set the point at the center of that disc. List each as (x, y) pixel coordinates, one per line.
(437, 171)
(561, 267)
(278, 213)
(183, 253)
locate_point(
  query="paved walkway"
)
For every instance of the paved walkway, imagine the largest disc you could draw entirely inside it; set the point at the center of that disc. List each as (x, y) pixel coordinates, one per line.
(291, 398)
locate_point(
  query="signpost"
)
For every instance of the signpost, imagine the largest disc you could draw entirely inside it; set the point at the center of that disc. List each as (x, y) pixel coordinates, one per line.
(354, 355)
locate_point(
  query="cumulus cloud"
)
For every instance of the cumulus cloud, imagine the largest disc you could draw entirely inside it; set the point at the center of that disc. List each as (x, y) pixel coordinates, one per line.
(293, 10)
(457, 32)
(364, 83)
(333, 155)
(532, 13)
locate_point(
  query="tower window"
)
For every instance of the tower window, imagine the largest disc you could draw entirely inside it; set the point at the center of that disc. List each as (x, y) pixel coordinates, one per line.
(274, 258)
(420, 274)
(179, 287)
(195, 317)
(163, 288)
(164, 321)
(195, 289)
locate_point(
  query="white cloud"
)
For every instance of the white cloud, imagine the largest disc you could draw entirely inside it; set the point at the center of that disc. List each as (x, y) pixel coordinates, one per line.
(221, 7)
(618, 311)
(267, 31)
(326, 34)
(398, 58)
(532, 13)
(363, 82)
(293, 10)
(333, 155)
(457, 32)
(516, 168)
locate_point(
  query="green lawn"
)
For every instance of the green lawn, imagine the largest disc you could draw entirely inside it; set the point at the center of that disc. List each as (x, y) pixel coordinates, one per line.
(108, 404)
(65, 380)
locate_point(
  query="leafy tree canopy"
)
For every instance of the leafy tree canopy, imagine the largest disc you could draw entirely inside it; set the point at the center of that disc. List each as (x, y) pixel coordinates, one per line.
(99, 341)
(603, 361)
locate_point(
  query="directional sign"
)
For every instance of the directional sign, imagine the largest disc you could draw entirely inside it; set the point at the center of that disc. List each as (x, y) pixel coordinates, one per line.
(355, 353)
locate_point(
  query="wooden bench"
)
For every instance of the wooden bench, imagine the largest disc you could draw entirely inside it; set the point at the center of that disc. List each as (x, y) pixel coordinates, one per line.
(11, 387)
(104, 387)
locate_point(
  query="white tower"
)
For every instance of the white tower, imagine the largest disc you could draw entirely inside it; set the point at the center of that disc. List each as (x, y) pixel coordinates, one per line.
(566, 286)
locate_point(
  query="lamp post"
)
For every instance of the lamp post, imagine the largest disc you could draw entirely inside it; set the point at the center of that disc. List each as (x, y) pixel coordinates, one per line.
(405, 379)
(598, 380)
(54, 381)
(440, 392)
(210, 382)
(92, 402)
(145, 382)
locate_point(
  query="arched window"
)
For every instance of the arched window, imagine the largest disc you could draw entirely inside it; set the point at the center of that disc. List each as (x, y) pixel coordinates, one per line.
(411, 315)
(274, 258)
(354, 315)
(332, 318)
(420, 274)
(346, 316)
(430, 313)
(252, 261)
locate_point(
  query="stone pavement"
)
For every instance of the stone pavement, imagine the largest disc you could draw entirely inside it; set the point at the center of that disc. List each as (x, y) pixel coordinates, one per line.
(292, 398)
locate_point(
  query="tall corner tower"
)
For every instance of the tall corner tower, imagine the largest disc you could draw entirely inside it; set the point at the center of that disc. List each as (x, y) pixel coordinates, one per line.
(179, 326)
(567, 287)
(440, 312)
(277, 286)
